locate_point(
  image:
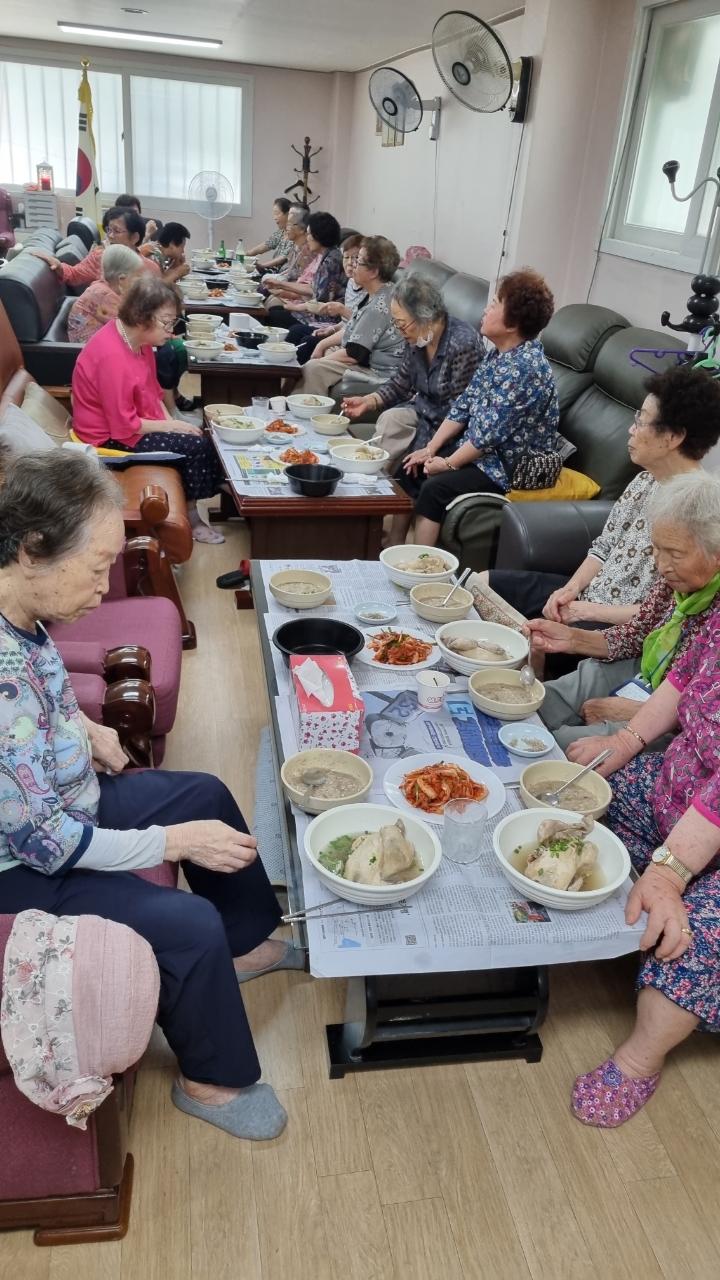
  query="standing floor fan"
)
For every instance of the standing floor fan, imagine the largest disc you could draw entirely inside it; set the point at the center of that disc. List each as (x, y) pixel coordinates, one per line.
(211, 196)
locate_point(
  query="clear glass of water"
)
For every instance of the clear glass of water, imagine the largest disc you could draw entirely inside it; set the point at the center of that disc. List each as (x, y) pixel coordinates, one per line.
(463, 830)
(261, 407)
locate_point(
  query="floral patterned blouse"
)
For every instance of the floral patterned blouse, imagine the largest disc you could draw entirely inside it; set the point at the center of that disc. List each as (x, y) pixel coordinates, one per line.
(431, 389)
(690, 774)
(624, 549)
(509, 409)
(626, 640)
(279, 243)
(91, 311)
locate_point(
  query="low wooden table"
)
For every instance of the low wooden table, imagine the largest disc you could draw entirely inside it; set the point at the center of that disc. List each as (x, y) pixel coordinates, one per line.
(310, 528)
(226, 383)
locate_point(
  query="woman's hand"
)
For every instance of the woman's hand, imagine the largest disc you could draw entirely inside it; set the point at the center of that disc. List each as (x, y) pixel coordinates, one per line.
(656, 894)
(436, 466)
(210, 844)
(150, 228)
(549, 637)
(333, 309)
(595, 710)
(576, 611)
(107, 754)
(583, 750)
(355, 406)
(182, 428)
(417, 459)
(53, 263)
(564, 596)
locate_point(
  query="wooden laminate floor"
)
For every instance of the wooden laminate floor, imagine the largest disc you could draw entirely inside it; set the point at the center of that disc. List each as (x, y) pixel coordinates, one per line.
(449, 1173)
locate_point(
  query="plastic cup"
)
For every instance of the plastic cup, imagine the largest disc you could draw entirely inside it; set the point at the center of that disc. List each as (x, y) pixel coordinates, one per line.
(278, 404)
(463, 830)
(431, 687)
(239, 320)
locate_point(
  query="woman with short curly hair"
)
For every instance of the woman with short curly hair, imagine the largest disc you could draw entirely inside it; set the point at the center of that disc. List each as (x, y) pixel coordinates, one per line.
(508, 413)
(118, 402)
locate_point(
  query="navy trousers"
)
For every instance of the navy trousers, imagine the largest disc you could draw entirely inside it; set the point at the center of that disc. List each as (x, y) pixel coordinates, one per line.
(193, 935)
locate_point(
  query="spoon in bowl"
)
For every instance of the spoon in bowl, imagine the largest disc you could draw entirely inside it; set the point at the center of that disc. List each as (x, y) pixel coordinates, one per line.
(459, 583)
(553, 797)
(527, 676)
(312, 778)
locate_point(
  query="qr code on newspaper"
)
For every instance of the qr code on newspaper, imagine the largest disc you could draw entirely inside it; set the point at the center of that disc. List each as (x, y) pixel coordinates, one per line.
(410, 940)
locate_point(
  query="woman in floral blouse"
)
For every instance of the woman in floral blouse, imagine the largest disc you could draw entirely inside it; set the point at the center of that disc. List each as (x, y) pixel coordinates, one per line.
(666, 805)
(328, 284)
(509, 410)
(101, 300)
(684, 597)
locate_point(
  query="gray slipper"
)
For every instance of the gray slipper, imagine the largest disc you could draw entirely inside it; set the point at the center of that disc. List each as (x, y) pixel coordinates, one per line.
(292, 959)
(255, 1113)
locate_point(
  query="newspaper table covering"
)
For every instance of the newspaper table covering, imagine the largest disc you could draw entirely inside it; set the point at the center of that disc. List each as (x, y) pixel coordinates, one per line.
(256, 472)
(468, 917)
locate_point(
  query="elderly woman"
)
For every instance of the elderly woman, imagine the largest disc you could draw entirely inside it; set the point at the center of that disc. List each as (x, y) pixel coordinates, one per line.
(667, 811)
(684, 520)
(677, 425)
(509, 412)
(302, 260)
(277, 242)
(369, 340)
(121, 226)
(328, 281)
(441, 355)
(118, 402)
(74, 828)
(101, 300)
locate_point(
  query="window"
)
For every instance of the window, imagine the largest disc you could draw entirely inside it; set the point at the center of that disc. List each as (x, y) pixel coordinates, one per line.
(153, 130)
(676, 116)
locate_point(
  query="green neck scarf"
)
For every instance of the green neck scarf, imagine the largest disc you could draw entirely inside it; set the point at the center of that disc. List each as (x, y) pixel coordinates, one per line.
(660, 645)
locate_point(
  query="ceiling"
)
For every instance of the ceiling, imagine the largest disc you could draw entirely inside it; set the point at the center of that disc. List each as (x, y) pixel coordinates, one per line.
(313, 35)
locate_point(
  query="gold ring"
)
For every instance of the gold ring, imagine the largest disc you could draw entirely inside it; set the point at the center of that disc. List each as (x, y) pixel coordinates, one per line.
(689, 932)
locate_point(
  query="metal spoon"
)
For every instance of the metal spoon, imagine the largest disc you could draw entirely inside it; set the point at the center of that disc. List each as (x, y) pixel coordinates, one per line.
(312, 778)
(553, 797)
(527, 676)
(459, 583)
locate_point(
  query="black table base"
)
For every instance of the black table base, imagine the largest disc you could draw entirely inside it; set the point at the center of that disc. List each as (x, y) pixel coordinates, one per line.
(403, 1020)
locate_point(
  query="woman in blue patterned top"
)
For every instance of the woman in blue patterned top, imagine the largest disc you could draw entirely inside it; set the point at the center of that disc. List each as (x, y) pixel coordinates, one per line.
(509, 411)
(74, 828)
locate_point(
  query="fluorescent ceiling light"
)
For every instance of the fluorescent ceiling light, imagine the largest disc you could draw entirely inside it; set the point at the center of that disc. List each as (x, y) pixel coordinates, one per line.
(151, 37)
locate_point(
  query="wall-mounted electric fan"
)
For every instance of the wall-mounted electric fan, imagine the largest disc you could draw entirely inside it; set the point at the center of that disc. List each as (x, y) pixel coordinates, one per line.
(475, 65)
(398, 103)
(211, 196)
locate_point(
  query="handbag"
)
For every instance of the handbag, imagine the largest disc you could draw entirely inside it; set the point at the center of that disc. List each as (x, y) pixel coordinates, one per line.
(537, 471)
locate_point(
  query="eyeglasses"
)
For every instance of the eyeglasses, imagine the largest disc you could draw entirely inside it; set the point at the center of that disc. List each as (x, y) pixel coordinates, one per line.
(639, 421)
(167, 325)
(111, 232)
(404, 326)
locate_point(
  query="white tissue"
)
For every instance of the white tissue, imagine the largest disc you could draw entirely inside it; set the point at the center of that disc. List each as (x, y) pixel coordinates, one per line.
(315, 682)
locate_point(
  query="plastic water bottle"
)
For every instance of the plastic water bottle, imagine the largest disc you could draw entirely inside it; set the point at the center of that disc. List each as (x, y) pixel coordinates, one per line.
(240, 252)
(221, 250)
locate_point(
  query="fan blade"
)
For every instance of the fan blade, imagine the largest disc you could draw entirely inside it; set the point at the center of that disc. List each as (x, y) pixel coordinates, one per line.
(472, 61)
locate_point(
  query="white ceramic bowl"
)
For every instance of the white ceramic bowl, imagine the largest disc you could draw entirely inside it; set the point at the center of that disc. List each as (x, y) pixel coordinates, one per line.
(520, 736)
(278, 352)
(562, 771)
(231, 433)
(298, 406)
(515, 644)
(248, 298)
(520, 828)
(329, 424)
(203, 348)
(217, 411)
(293, 601)
(198, 316)
(326, 758)
(201, 328)
(274, 335)
(503, 710)
(392, 556)
(342, 456)
(422, 596)
(349, 819)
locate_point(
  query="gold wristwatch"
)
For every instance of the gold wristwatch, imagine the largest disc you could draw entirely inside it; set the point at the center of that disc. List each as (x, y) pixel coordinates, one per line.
(662, 857)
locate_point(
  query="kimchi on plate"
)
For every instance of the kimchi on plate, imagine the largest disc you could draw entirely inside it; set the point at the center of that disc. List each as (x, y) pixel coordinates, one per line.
(432, 787)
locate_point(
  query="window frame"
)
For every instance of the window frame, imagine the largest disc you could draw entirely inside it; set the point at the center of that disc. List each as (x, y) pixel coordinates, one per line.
(676, 250)
(168, 69)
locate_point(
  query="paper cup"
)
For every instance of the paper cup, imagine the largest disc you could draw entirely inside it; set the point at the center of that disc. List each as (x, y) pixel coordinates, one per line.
(431, 686)
(238, 320)
(278, 404)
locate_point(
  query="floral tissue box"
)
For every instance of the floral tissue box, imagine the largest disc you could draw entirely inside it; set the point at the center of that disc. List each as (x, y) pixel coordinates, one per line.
(327, 708)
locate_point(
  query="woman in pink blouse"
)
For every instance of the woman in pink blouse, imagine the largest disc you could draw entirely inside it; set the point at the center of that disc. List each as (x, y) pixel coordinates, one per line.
(117, 400)
(666, 808)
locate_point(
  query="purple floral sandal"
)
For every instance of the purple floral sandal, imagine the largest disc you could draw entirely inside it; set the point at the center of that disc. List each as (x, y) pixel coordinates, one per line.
(606, 1098)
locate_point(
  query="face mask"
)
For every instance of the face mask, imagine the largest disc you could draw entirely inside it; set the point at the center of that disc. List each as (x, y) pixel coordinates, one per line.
(424, 342)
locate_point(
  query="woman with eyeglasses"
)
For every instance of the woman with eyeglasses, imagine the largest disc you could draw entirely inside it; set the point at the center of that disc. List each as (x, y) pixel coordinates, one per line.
(118, 402)
(121, 226)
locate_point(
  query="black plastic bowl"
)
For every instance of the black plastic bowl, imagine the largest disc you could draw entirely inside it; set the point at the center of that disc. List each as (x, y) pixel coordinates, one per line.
(217, 281)
(247, 338)
(314, 481)
(318, 635)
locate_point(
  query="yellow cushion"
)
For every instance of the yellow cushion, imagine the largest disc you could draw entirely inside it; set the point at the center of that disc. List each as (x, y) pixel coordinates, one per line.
(46, 412)
(104, 453)
(572, 486)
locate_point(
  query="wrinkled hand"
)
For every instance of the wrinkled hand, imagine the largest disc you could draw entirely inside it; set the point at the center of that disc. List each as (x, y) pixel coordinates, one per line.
(332, 309)
(667, 916)
(576, 611)
(107, 754)
(183, 428)
(583, 750)
(53, 263)
(416, 459)
(354, 406)
(549, 637)
(595, 710)
(563, 596)
(435, 466)
(210, 844)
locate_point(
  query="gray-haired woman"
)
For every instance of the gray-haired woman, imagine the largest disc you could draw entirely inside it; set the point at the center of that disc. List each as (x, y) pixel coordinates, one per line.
(441, 356)
(101, 300)
(72, 834)
(684, 518)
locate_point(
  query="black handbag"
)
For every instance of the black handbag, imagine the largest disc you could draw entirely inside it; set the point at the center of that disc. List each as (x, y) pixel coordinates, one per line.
(537, 471)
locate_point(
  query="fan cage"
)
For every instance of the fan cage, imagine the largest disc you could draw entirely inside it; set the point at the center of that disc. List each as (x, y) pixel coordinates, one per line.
(463, 43)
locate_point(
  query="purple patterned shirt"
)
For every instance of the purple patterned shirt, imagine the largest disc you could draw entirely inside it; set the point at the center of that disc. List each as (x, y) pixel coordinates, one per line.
(691, 769)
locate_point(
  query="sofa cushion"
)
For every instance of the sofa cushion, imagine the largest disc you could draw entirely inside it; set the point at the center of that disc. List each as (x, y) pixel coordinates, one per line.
(151, 621)
(600, 429)
(31, 294)
(90, 693)
(572, 486)
(20, 434)
(577, 332)
(617, 376)
(83, 656)
(466, 298)
(569, 384)
(438, 272)
(47, 412)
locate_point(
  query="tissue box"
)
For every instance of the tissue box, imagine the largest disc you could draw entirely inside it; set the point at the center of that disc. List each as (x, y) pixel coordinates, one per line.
(339, 725)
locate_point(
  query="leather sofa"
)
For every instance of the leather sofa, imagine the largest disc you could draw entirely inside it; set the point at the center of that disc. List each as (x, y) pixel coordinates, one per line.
(37, 305)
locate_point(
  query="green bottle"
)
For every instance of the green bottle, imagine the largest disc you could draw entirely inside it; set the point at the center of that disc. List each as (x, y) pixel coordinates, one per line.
(221, 251)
